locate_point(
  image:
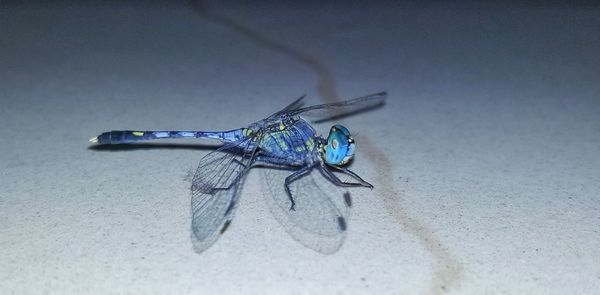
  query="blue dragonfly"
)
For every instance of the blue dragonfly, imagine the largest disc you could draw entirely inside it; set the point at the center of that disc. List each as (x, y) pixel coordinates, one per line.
(304, 173)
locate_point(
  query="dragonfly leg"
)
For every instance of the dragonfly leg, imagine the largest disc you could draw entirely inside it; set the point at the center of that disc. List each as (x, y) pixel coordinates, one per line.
(355, 176)
(335, 180)
(293, 177)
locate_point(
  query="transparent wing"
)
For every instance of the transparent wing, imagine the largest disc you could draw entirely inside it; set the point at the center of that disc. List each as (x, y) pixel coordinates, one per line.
(322, 210)
(339, 109)
(215, 189)
(292, 106)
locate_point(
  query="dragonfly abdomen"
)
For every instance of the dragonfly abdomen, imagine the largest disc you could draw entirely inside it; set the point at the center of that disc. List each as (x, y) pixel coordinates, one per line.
(132, 136)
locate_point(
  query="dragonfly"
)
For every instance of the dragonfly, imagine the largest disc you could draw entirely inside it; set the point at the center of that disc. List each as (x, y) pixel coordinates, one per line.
(305, 174)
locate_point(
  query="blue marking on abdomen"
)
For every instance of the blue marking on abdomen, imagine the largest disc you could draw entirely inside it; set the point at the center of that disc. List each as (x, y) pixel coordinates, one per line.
(131, 136)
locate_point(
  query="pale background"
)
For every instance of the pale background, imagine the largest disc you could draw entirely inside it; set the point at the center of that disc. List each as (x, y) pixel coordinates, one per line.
(485, 158)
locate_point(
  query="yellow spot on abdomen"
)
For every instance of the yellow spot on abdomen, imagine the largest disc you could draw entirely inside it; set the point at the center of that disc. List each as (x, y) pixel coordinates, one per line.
(310, 143)
(137, 133)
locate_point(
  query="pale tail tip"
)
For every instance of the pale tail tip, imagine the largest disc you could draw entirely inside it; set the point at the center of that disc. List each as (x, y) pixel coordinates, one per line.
(94, 140)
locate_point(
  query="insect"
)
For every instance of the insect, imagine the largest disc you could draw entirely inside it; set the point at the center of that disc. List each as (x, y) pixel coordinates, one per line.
(300, 169)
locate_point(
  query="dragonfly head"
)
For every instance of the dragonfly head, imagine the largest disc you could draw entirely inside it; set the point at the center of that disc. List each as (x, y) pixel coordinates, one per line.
(340, 146)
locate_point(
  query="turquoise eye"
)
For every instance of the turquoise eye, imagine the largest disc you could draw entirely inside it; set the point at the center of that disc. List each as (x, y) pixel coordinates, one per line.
(340, 146)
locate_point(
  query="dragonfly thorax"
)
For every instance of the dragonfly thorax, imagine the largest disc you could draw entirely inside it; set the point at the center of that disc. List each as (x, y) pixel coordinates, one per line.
(339, 148)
